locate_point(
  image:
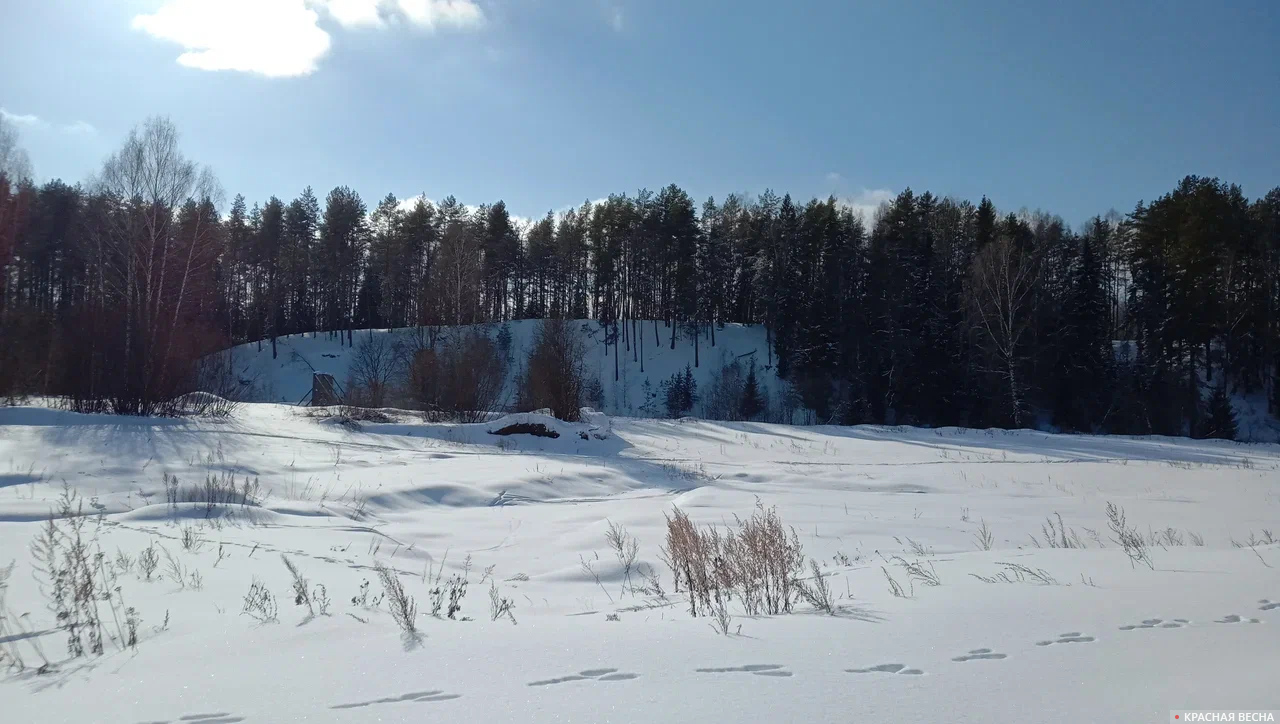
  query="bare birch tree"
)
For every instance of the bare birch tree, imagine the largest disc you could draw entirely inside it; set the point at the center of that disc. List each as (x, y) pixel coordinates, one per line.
(14, 162)
(1000, 297)
(150, 261)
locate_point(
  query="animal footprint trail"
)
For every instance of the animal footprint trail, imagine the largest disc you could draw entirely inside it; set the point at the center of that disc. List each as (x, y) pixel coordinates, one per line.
(980, 654)
(1235, 618)
(413, 696)
(220, 717)
(888, 669)
(777, 670)
(1071, 637)
(588, 675)
(1156, 623)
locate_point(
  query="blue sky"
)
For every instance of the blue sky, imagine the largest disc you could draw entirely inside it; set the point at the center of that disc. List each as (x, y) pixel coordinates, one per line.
(1074, 107)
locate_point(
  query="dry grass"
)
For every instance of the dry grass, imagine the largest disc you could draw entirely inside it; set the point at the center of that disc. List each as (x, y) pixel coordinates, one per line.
(1128, 537)
(758, 561)
(402, 606)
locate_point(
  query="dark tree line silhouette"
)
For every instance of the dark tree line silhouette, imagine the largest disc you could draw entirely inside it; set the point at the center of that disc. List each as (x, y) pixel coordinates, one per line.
(936, 311)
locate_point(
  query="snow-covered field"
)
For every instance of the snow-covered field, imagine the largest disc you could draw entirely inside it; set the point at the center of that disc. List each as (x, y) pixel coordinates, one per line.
(1097, 640)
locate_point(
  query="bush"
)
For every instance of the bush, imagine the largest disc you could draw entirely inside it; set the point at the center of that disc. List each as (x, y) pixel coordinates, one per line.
(759, 562)
(461, 379)
(373, 371)
(554, 376)
(219, 389)
(723, 397)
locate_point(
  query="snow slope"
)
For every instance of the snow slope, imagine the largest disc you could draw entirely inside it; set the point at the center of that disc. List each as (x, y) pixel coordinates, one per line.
(287, 377)
(1105, 642)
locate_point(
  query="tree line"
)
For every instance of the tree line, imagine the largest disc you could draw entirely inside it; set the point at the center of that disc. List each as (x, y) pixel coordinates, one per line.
(936, 311)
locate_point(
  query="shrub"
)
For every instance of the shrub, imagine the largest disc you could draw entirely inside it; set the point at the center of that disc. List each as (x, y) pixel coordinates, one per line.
(219, 389)
(554, 375)
(759, 561)
(460, 379)
(374, 369)
(722, 399)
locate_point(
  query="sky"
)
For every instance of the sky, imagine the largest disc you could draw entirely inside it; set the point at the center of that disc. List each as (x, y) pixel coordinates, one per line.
(1075, 108)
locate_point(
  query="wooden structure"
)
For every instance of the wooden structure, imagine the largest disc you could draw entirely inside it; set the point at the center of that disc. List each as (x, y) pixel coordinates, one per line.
(324, 390)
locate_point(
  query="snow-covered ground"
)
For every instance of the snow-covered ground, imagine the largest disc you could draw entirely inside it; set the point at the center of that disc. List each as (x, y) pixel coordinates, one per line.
(1100, 640)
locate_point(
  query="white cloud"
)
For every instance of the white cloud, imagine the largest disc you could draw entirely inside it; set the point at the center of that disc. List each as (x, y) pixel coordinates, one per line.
(19, 119)
(80, 128)
(432, 14)
(32, 121)
(283, 38)
(426, 14)
(834, 178)
(866, 202)
(354, 13)
(275, 38)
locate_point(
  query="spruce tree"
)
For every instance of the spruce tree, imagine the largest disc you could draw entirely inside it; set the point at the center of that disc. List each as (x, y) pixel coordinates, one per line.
(1221, 421)
(751, 404)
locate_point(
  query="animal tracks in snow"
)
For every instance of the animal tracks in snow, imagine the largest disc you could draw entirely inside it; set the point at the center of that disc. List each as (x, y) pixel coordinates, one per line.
(1157, 623)
(414, 696)
(976, 654)
(1072, 637)
(758, 669)
(588, 675)
(1235, 618)
(888, 669)
(221, 717)
(773, 670)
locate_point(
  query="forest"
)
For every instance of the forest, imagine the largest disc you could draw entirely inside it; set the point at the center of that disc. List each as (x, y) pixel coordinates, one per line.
(936, 311)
